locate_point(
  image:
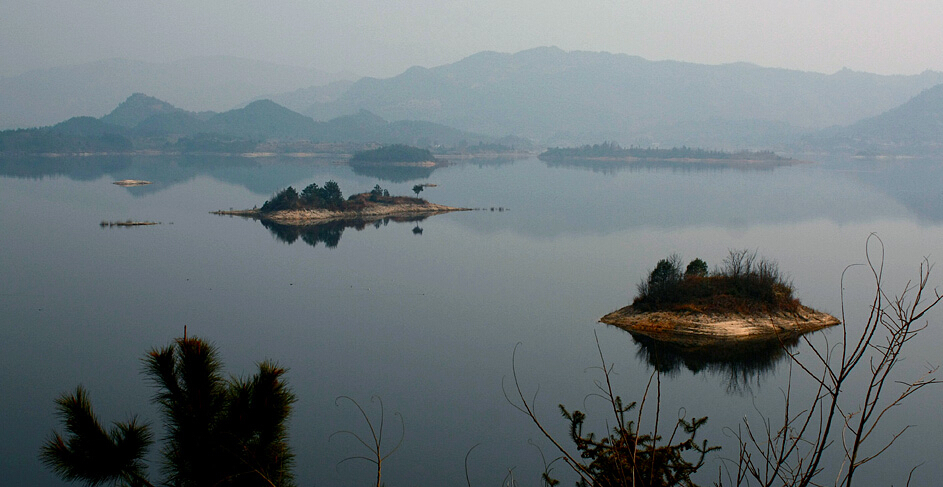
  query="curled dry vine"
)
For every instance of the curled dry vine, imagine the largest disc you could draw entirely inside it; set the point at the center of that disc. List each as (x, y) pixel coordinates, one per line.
(377, 457)
(791, 453)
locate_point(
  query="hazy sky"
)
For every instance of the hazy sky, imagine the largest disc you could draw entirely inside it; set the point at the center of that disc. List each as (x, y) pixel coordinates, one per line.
(384, 37)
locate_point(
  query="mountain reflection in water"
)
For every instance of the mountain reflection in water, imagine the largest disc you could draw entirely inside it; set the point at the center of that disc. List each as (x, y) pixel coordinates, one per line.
(329, 233)
(393, 174)
(740, 363)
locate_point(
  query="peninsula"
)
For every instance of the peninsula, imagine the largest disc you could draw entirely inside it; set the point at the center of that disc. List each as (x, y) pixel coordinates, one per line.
(746, 300)
(613, 153)
(317, 205)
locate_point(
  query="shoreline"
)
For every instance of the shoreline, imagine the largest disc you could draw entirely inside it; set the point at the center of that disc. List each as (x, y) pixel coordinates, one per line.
(679, 160)
(318, 216)
(694, 329)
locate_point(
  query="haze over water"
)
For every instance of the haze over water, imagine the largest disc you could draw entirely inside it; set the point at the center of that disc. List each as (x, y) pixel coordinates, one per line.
(428, 322)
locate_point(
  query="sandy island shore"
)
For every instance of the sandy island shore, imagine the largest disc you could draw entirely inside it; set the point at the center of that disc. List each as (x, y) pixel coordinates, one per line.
(701, 328)
(370, 213)
(132, 182)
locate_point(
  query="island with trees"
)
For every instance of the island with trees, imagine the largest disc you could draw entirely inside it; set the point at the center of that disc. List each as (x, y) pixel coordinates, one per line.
(322, 204)
(746, 299)
(395, 155)
(612, 152)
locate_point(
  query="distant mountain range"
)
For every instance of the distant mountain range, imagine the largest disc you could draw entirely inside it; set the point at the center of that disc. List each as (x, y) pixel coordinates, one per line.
(569, 98)
(143, 122)
(45, 97)
(546, 95)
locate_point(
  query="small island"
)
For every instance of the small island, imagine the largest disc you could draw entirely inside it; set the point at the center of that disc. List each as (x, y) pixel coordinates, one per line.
(127, 223)
(318, 205)
(614, 153)
(746, 300)
(396, 155)
(132, 182)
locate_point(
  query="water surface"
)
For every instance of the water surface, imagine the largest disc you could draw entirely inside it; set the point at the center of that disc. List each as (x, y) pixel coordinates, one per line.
(427, 320)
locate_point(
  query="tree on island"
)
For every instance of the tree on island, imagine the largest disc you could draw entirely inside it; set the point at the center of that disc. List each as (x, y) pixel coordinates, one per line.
(330, 197)
(311, 196)
(417, 189)
(286, 199)
(744, 284)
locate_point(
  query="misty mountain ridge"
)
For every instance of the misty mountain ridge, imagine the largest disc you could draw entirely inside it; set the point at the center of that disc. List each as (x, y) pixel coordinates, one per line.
(212, 83)
(162, 126)
(137, 108)
(303, 98)
(548, 94)
(915, 127)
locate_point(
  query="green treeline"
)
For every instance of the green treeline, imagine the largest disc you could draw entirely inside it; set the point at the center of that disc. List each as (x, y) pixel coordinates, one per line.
(330, 197)
(394, 153)
(744, 284)
(39, 141)
(613, 150)
(312, 197)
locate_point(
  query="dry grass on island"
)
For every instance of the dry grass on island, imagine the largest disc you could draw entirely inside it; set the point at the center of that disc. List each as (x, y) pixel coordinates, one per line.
(746, 299)
(325, 204)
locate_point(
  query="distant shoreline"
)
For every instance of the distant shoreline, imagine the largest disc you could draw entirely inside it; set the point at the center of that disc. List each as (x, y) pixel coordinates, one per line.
(679, 160)
(610, 152)
(338, 157)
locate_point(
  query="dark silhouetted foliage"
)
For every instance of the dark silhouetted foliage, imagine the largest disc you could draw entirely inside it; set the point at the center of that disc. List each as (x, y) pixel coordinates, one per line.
(744, 284)
(625, 458)
(220, 431)
(331, 193)
(286, 199)
(88, 453)
(696, 268)
(329, 197)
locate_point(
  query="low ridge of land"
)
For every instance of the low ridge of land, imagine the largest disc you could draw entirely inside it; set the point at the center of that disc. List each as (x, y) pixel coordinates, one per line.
(612, 152)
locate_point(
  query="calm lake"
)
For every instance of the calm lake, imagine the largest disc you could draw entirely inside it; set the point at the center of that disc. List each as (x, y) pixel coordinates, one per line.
(426, 315)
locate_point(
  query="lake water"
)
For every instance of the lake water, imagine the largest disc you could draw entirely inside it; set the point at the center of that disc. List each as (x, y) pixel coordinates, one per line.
(426, 315)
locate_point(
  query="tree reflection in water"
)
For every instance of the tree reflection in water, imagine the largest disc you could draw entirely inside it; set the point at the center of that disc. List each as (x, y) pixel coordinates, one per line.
(742, 364)
(329, 233)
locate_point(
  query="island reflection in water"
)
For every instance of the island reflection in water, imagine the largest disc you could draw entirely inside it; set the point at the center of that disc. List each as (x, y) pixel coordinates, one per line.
(329, 233)
(741, 364)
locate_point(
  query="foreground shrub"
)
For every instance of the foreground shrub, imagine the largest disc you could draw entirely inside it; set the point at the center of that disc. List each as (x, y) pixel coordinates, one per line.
(220, 431)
